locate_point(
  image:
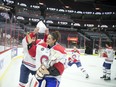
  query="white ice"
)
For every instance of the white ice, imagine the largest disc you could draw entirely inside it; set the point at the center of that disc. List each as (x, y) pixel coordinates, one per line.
(72, 76)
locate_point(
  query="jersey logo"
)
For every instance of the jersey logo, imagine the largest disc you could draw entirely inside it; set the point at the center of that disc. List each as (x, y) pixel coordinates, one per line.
(43, 58)
(42, 49)
(73, 56)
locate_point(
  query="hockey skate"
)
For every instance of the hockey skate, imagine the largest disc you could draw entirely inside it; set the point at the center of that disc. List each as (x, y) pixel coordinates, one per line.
(87, 76)
(107, 78)
(104, 76)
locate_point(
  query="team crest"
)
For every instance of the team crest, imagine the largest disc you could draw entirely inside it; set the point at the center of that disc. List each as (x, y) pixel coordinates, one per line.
(42, 49)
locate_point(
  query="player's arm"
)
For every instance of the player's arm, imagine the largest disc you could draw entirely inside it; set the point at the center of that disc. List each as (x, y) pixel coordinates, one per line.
(46, 34)
(57, 69)
(32, 49)
(70, 59)
(104, 54)
(31, 46)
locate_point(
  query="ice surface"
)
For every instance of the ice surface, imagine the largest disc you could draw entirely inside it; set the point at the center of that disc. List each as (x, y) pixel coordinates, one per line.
(72, 76)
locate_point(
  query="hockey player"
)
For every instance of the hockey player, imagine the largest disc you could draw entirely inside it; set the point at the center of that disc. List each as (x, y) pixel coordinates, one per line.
(51, 59)
(29, 63)
(109, 56)
(74, 58)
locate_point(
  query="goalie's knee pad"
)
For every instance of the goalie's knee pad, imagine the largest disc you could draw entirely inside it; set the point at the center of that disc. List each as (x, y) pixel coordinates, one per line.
(43, 84)
(33, 82)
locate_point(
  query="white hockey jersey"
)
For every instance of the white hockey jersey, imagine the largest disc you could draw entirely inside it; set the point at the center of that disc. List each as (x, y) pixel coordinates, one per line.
(28, 60)
(110, 55)
(73, 56)
(49, 57)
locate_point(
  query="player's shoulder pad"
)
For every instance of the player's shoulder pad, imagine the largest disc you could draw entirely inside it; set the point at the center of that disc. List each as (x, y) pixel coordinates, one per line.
(59, 48)
(43, 44)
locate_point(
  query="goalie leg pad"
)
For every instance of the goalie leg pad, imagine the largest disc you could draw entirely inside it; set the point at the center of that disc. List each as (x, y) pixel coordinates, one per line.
(33, 82)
